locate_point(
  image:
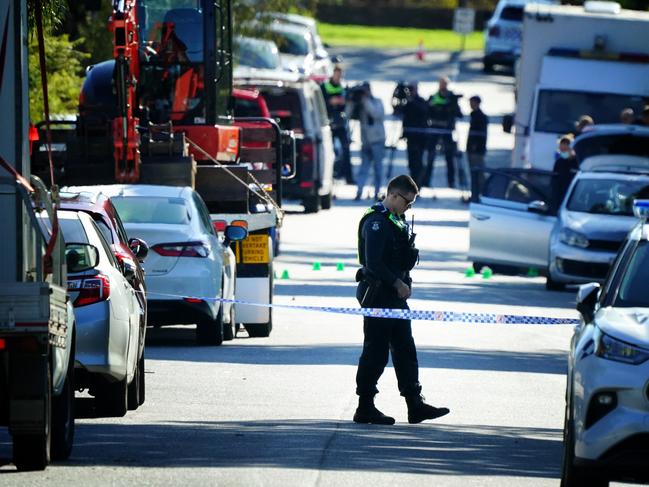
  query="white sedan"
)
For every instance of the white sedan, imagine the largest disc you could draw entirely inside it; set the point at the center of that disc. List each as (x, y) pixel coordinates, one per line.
(190, 267)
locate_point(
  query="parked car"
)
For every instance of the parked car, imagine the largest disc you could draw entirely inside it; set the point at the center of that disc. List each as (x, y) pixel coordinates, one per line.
(297, 104)
(297, 51)
(513, 224)
(129, 254)
(108, 318)
(189, 267)
(606, 427)
(504, 32)
(324, 62)
(256, 53)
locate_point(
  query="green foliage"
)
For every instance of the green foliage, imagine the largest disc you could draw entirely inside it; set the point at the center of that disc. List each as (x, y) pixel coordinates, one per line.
(64, 76)
(53, 11)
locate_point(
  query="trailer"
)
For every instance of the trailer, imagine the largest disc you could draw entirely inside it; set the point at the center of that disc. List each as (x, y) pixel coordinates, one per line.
(576, 60)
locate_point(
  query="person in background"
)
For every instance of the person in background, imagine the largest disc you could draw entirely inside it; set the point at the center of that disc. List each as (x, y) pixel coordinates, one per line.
(476, 143)
(627, 116)
(565, 168)
(581, 124)
(335, 98)
(443, 110)
(415, 117)
(371, 119)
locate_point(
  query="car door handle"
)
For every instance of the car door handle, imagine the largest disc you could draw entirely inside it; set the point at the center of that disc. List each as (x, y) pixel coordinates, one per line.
(481, 217)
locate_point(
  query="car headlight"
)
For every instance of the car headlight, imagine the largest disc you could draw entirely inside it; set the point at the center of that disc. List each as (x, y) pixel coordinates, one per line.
(572, 238)
(610, 348)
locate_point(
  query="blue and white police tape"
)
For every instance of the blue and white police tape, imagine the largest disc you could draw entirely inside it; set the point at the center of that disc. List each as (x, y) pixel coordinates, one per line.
(404, 314)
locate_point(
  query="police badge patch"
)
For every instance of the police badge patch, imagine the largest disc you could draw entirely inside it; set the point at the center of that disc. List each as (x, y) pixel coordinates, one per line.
(376, 226)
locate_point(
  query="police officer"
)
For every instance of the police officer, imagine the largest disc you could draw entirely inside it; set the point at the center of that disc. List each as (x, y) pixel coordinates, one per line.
(415, 118)
(443, 111)
(334, 95)
(387, 253)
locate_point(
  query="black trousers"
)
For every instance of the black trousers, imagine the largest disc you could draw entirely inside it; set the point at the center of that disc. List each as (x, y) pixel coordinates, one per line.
(382, 336)
(449, 152)
(343, 167)
(416, 148)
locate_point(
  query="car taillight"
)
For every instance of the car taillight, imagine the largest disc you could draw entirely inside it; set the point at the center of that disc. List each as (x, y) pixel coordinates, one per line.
(494, 31)
(182, 249)
(91, 289)
(307, 150)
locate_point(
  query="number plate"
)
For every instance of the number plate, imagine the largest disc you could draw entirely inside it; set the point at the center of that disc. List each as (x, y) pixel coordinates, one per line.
(254, 249)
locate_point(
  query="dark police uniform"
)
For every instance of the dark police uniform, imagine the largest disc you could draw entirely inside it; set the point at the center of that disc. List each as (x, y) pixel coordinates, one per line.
(339, 129)
(415, 122)
(386, 252)
(443, 110)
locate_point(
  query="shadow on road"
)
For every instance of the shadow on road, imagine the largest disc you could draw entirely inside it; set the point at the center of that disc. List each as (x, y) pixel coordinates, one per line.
(428, 449)
(178, 346)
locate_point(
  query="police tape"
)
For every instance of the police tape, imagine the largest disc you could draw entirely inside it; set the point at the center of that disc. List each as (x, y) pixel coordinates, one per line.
(403, 314)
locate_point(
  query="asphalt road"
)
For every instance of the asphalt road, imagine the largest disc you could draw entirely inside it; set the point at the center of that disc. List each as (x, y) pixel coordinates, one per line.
(277, 411)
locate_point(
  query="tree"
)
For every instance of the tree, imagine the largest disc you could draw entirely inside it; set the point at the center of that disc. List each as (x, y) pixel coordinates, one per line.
(63, 62)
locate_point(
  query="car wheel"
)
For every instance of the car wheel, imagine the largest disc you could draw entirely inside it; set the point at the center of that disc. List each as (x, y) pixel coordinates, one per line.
(210, 331)
(111, 399)
(134, 389)
(326, 200)
(552, 285)
(571, 475)
(487, 67)
(229, 330)
(32, 451)
(311, 203)
(63, 415)
(142, 380)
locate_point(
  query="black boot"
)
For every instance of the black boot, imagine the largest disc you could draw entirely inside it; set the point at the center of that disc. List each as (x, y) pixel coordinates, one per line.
(419, 411)
(367, 413)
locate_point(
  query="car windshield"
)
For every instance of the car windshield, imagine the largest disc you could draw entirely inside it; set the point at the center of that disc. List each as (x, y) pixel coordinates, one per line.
(289, 43)
(632, 291)
(151, 209)
(512, 13)
(559, 110)
(606, 196)
(256, 54)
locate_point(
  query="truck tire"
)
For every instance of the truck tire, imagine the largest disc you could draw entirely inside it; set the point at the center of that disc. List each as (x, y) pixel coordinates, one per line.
(552, 285)
(326, 200)
(63, 415)
(32, 451)
(111, 399)
(229, 330)
(210, 331)
(311, 203)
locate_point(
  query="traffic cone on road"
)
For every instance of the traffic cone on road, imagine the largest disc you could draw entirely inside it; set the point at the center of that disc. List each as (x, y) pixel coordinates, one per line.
(421, 53)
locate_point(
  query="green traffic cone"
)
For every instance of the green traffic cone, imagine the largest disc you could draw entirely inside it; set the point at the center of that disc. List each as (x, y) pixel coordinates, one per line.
(285, 274)
(487, 272)
(469, 272)
(532, 272)
(340, 266)
(316, 266)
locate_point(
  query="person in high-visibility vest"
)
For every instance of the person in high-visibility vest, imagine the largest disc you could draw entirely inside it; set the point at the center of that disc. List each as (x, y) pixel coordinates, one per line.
(443, 110)
(335, 98)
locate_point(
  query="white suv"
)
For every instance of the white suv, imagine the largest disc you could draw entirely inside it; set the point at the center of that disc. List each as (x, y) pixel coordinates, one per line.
(504, 33)
(606, 431)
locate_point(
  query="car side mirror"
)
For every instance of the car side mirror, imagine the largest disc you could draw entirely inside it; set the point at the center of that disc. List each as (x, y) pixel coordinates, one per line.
(128, 270)
(508, 123)
(538, 206)
(139, 248)
(587, 296)
(80, 257)
(234, 233)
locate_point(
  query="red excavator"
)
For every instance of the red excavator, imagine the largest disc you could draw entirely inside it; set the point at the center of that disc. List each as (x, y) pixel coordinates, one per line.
(160, 112)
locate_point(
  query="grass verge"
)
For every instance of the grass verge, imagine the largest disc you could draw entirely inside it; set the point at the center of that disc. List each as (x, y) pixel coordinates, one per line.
(397, 37)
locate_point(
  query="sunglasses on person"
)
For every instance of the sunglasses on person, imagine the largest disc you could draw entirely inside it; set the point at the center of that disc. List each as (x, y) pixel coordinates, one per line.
(409, 203)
